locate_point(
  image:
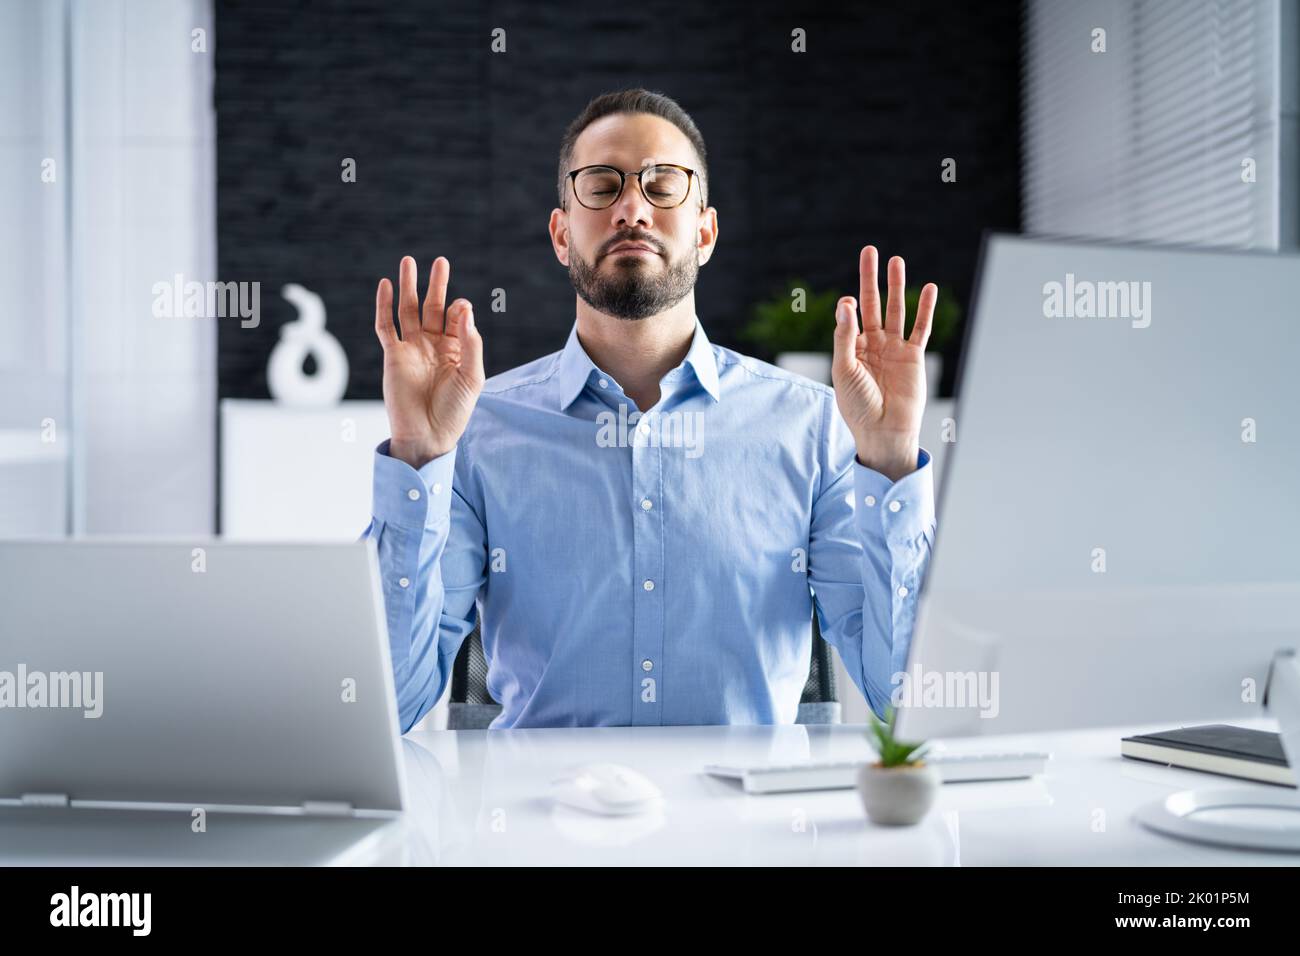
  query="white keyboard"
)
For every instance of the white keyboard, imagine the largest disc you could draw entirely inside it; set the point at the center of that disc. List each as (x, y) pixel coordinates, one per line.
(842, 775)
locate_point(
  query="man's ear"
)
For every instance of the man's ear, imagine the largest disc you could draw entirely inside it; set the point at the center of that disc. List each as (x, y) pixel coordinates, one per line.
(706, 236)
(559, 228)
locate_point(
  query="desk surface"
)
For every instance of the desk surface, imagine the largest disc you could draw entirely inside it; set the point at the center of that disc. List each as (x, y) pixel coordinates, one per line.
(479, 797)
(482, 798)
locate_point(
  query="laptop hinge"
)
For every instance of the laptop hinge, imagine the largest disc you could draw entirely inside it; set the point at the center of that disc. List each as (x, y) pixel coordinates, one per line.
(44, 799)
(327, 808)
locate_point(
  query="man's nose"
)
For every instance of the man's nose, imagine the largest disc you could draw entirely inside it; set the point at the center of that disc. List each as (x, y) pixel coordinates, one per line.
(632, 206)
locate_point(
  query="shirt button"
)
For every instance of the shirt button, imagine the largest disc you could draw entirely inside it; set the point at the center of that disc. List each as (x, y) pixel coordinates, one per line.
(414, 494)
(648, 585)
(404, 582)
(895, 505)
(902, 590)
(437, 489)
(646, 504)
(604, 383)
(869, 501)
(643, 428)
(647, 665)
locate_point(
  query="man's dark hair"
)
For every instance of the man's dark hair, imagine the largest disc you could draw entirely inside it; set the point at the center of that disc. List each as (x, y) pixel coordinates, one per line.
(631, 101)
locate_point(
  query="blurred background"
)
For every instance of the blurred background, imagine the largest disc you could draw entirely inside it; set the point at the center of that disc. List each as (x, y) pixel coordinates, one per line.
(301, 148)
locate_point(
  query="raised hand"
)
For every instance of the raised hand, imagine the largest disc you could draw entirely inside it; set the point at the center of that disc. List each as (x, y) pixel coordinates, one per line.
(433, 374)
(879, 376)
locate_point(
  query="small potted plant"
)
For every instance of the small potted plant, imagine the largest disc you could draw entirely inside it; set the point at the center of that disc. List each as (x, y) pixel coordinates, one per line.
(899, 788)
(797, 327)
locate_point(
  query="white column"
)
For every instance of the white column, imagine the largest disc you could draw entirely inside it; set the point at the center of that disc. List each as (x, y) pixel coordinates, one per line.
(143, 210)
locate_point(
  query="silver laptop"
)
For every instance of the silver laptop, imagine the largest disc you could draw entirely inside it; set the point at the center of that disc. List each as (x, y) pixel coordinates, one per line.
(233, 678)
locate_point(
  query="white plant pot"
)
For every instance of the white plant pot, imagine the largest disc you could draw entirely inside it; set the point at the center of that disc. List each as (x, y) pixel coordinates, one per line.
(897, 796)
(933, 373)
(813, 365)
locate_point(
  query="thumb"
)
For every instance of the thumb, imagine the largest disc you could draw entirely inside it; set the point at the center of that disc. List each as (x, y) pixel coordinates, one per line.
(846, 333)
(471, 343)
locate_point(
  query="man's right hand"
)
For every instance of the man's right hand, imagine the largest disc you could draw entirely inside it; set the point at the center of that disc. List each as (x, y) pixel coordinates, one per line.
(433, 374)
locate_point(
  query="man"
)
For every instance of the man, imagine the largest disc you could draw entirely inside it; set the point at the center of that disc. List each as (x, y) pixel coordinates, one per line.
(656, 568)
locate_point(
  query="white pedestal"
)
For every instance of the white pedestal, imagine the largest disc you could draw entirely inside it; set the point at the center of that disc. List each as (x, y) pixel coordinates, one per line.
(298, 474)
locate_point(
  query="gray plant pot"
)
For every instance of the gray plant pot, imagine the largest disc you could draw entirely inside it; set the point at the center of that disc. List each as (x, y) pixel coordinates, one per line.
(897, 796)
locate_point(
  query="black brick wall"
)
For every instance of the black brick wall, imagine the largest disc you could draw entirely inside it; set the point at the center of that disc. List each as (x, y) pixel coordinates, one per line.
(456, 150)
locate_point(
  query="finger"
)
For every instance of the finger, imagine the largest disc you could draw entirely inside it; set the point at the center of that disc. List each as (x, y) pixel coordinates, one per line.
(384, 314)
(408, 302)
(924, 315)
(436, 295)
(896, 304)
(846, 333)
(869, 287)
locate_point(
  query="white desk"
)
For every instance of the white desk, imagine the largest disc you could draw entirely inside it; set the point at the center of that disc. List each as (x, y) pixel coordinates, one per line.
(480, 798)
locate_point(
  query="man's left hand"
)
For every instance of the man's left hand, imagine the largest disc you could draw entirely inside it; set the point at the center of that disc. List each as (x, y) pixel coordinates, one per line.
(879, 376)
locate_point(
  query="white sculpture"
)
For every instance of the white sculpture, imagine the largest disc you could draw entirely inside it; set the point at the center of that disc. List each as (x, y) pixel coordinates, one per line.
(288, 383)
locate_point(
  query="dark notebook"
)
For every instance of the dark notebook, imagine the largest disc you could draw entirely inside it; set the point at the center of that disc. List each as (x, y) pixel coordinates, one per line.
(1215, 748)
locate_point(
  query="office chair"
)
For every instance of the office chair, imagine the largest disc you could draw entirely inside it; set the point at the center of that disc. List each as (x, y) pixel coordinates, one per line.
(471, 707)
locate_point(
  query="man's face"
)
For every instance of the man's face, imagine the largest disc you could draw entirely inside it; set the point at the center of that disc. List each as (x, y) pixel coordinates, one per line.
(628, 283)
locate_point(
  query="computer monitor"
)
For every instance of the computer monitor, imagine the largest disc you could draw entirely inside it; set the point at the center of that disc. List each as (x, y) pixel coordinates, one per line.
(1118, 528)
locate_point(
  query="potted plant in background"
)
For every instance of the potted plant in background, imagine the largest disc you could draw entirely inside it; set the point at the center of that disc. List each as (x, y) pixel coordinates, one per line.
(898, 788)
(797, 326)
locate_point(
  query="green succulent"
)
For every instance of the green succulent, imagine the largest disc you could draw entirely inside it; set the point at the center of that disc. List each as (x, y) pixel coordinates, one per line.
(893, 752)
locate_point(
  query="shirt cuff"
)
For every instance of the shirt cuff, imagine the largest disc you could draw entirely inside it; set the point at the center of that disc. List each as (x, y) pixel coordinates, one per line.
(900, 511)
(409, 497)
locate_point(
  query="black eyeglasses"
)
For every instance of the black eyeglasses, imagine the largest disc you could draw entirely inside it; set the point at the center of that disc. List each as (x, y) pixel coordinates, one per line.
(664, 185)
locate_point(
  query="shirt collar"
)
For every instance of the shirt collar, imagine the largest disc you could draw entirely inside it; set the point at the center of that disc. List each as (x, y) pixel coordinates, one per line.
(575, 366)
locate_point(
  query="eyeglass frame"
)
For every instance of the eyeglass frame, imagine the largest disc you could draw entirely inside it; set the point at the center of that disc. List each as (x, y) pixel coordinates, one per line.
(691, 175)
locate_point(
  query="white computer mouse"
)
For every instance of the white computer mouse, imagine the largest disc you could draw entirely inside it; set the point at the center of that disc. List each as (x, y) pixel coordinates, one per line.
(606, 788)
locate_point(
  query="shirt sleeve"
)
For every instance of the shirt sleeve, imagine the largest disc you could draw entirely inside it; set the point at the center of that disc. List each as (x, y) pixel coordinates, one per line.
(433, 560)
(869, 548)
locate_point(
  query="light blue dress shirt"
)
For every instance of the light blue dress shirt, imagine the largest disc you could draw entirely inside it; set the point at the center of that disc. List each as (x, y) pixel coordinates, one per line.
(649, 569)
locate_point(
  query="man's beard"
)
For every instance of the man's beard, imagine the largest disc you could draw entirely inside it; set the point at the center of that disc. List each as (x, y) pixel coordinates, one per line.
(633, 291)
